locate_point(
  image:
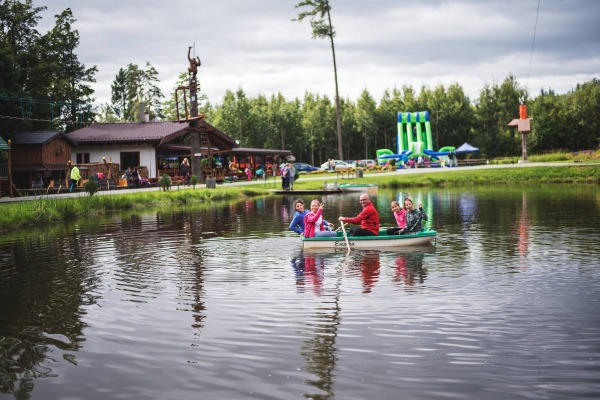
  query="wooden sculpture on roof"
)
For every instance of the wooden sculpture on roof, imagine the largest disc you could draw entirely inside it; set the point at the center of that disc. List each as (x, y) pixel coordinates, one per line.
(194, 63)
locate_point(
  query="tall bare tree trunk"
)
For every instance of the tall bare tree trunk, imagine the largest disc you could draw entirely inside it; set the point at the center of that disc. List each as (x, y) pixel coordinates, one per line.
(338, 108)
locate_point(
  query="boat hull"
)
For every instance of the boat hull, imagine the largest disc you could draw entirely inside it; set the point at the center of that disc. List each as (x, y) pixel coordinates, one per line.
(371, 242)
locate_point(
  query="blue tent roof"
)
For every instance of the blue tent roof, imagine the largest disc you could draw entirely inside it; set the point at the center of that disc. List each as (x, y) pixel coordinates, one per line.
(467, 148)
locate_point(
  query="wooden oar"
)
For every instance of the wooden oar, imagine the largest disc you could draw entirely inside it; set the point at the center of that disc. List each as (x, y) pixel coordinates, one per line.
(345, 236)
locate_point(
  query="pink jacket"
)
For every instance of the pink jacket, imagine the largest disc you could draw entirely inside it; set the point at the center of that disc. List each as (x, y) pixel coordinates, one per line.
(401, 218)
(310, 223)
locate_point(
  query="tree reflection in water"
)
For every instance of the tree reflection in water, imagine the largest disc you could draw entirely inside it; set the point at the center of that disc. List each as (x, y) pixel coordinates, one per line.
(320, 349)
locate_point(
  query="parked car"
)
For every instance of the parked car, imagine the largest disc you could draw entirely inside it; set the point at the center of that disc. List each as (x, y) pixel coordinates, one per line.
(366, 163)
(304, 167)
(338, 164)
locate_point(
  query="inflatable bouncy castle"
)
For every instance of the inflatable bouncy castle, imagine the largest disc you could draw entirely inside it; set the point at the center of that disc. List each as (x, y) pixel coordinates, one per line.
(414, 133)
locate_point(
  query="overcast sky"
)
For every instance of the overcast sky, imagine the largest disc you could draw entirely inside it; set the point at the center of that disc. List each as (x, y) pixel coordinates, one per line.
(380, 44)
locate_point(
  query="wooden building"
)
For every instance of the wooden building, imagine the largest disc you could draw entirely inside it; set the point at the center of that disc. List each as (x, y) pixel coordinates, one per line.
(157, 148)
(39, 157)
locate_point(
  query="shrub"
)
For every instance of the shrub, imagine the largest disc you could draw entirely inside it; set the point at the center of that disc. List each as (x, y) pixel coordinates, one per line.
(194, 181)
(165, 182)
(91, 187)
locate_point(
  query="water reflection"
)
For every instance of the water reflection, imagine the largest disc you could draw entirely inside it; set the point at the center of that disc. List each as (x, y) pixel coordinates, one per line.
(522, 228)
(224, 294)
(309, 271)
(410, 269)
(320, 349)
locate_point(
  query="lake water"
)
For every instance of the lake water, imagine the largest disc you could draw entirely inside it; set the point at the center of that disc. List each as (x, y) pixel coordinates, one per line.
(222, 303)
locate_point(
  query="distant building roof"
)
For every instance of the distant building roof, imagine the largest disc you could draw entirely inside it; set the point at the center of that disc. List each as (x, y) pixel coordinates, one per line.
(37, 137)
(126, 132)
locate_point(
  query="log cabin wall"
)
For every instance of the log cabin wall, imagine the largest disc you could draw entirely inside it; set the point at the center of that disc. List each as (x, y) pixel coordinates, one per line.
(56, 151)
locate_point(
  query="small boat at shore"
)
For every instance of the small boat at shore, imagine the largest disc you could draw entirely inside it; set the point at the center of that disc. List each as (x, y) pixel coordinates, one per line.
(370, 242)
(358, 187)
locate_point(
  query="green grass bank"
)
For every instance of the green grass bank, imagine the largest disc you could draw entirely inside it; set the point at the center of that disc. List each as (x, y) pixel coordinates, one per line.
(568, 174)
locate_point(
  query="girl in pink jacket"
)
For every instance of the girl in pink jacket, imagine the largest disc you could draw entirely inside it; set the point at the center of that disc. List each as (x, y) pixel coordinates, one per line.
(400, 215)
(314, 224)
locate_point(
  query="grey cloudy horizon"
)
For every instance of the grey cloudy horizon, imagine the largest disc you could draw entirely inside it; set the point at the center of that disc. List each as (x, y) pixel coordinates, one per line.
(380, 44)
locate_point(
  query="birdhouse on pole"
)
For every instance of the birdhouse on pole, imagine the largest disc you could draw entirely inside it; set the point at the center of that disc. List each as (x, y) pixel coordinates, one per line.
(523, 125)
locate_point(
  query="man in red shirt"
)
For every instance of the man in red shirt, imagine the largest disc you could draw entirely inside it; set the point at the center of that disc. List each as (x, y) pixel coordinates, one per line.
(368, 218)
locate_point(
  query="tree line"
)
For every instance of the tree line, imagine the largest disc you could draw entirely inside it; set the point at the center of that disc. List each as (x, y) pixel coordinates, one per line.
(44, 86)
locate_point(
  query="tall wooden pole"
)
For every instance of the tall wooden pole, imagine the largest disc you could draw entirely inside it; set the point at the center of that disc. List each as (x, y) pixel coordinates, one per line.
(194, 124)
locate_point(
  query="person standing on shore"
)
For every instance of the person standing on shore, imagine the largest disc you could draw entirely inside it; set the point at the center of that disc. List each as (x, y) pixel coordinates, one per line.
(75, 177)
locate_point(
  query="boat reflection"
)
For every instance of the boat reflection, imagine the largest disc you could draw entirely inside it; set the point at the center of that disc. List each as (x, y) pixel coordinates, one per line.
(309, 272)
(410, 267)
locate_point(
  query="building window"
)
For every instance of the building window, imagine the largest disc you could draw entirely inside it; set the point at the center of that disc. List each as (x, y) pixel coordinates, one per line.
(83, 158)
(130, 159)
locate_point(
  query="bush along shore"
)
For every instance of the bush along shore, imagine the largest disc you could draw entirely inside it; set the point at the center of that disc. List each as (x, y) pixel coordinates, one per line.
(49, 209)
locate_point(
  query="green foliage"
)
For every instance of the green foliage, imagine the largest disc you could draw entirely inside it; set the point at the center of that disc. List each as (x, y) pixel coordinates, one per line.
(364, 114)
(194, 181)
(131, 87)
(497, 106)
(165, 182)
(91, 187)
(41, 67)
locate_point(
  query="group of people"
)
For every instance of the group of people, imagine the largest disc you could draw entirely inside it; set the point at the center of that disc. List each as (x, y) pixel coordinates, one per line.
(313, 224)
(288, 174)
(261, 172)
(133, 177)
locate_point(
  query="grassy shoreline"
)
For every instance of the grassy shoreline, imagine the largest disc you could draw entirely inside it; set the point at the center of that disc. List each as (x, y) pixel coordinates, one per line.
(47, 210)
(569, 174)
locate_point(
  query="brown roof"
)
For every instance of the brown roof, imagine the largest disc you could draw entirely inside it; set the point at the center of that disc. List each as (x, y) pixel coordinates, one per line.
(158, 133)
(126, 132)
(41, 137)
(216, 137)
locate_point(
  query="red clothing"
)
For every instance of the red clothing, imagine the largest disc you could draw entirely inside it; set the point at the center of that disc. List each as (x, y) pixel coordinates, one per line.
(368, 218)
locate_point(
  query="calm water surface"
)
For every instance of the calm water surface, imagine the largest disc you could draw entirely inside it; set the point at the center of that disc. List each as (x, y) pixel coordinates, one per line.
(224, 304)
